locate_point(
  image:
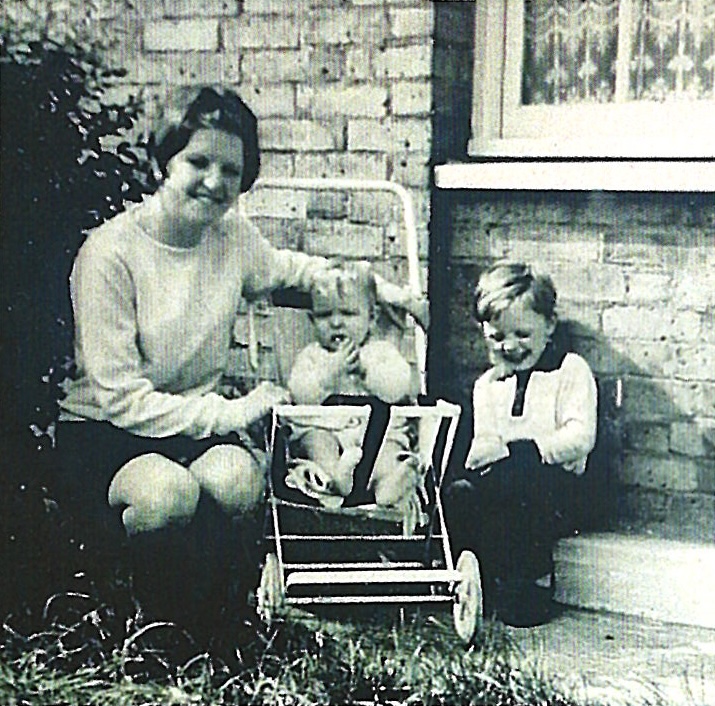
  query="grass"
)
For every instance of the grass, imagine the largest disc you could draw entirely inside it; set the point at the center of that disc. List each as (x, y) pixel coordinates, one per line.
(88, 654)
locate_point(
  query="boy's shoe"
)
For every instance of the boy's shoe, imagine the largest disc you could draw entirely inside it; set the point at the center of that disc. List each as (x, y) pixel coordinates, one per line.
(521, 604)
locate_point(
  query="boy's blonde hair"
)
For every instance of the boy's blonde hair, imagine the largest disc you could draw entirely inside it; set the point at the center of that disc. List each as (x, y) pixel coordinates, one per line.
(505, 282)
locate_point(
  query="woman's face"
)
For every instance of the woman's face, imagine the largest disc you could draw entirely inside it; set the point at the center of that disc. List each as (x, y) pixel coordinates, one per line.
(204, 179)
(517, 337)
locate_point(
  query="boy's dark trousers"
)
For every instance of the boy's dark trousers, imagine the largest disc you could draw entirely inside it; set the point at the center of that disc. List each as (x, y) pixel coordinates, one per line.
(509, 516)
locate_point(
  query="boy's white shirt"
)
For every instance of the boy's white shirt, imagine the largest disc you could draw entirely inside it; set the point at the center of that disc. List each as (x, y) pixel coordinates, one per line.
(559, 415)
(153, 324)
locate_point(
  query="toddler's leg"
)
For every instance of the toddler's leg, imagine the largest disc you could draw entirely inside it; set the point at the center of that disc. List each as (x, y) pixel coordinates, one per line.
(231, 476)
(395, 474)
(335, 472)
(156, 491)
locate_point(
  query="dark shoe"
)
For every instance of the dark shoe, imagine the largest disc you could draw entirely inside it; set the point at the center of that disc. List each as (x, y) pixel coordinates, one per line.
(524, 605)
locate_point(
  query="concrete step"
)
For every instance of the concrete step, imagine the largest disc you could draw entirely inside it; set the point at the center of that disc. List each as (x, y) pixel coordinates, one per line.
(659, 579)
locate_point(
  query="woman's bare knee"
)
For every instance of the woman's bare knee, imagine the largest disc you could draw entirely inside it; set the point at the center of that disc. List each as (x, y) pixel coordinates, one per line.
(156, 491)
(231, 476)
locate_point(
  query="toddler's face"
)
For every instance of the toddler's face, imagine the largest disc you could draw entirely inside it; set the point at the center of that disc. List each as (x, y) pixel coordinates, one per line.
(517, 337)
(337, 319)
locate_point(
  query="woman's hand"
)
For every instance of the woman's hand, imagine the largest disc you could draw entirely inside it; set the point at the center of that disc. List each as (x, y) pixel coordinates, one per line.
(263, 399)
(403, 298)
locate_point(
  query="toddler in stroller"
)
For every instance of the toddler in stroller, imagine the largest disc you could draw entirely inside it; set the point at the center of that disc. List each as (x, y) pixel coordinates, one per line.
(349, 363)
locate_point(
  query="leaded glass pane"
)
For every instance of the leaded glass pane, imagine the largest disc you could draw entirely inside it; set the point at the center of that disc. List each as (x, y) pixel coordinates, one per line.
(673, 54)
(571, 50)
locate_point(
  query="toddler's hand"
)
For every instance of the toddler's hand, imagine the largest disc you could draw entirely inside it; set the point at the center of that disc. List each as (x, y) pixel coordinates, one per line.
(346, 359)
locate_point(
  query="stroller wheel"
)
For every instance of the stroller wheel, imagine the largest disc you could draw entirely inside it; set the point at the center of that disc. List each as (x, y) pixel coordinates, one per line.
(270, 590)
(468, 599)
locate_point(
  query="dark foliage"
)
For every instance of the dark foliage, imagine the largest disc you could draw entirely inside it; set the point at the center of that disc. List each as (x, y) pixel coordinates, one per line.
(65, 168)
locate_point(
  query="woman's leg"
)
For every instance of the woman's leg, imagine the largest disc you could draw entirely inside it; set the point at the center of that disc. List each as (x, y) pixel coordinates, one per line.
(153, 492)
(173, 541)
(232, 476)
(229, 521)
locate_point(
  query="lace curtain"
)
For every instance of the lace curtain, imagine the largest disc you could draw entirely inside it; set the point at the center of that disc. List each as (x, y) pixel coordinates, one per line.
(573, 52)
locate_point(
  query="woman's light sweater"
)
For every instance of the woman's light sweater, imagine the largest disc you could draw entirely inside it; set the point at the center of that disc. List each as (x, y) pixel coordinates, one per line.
(154, 324)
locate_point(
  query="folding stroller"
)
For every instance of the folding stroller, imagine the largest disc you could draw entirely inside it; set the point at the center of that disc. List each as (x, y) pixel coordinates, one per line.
(323, 550)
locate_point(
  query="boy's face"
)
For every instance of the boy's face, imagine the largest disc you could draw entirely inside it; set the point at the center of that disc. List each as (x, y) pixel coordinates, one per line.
(517, 337)
(341, 317)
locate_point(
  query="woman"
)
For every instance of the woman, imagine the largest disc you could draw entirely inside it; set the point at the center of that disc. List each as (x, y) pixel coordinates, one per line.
(150, 449)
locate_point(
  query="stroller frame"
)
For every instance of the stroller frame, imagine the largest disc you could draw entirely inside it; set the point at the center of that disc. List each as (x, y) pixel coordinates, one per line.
(432, 579)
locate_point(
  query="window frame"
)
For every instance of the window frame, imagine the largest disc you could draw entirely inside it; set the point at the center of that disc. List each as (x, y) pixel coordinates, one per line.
(501, 127)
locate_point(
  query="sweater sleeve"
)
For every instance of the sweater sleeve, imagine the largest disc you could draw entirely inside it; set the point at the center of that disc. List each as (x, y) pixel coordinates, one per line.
(267, 268)
(103, 297)
(575, 434)
(310, 379)
(487, 445)
(388, 375)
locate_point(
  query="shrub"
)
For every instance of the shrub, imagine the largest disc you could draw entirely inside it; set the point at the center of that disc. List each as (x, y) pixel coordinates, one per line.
(66, 165)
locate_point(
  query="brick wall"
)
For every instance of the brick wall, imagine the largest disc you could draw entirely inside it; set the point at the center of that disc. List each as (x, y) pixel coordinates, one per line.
(378, 88)
(636, 281)
(340, 88)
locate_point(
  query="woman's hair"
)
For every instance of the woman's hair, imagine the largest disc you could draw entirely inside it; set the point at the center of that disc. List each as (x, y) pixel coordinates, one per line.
(220, 110)
(505, 282)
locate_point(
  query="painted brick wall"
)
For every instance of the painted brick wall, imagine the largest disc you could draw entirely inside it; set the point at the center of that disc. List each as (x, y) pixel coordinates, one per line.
(340, 88)
(636, 281)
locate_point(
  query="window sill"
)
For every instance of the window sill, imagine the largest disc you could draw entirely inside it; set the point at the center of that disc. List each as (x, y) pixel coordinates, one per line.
(587, 175)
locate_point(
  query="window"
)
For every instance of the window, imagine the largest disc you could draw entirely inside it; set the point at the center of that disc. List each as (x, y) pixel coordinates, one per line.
(594, 78)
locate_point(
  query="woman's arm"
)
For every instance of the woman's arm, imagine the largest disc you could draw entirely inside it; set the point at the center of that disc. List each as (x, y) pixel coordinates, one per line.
(403, 298)
(268, 268)
(103, 294)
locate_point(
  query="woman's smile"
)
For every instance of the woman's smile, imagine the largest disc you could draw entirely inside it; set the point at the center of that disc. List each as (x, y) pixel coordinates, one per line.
(209, 197)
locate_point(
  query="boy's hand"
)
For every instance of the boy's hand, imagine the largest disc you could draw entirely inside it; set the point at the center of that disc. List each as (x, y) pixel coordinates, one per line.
(485, 451)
